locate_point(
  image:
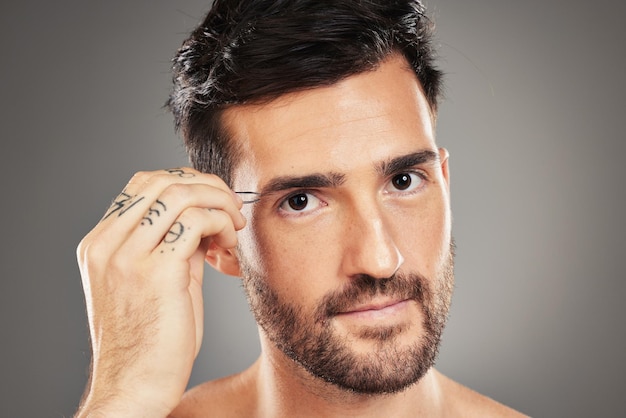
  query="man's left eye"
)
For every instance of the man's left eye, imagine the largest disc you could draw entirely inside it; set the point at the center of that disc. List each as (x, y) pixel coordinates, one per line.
(405, 182)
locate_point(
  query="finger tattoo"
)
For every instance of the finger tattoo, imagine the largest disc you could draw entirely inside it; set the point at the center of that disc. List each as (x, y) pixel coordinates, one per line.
(180, 172)
(174, 234)
(155, 211)
(122, 204)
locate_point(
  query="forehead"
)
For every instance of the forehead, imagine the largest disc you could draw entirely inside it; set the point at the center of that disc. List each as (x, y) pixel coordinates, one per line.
(362, 120)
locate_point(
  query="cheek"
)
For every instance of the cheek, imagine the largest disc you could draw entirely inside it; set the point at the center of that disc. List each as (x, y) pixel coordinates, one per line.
(295, 259)
(423, 234)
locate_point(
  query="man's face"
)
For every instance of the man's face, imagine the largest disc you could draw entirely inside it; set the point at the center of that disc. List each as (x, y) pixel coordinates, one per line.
(347, 257)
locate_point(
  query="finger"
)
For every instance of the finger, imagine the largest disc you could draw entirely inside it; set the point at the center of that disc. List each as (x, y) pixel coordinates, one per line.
(159, 198)
(160, 223)
(182, 174)
(194, 224)
(145, 187)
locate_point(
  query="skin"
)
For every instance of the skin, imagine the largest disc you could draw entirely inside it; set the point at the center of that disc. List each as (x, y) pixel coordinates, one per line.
(143, 284)
(368, 223)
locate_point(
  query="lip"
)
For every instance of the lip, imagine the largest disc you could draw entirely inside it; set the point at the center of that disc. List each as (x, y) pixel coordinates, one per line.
(376, 309)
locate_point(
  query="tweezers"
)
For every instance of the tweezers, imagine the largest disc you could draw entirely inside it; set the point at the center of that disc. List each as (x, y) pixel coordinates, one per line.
(249, 197)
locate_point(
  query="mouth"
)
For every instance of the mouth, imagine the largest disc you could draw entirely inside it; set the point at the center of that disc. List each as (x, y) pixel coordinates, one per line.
(377, 309)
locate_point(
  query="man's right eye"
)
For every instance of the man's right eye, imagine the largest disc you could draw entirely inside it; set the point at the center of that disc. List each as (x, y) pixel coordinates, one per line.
(300, 202)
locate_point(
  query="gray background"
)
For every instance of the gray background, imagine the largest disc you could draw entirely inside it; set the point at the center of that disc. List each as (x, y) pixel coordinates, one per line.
(533, 120)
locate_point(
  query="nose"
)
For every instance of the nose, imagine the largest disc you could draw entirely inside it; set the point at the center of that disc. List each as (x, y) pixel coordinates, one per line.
(370, 248)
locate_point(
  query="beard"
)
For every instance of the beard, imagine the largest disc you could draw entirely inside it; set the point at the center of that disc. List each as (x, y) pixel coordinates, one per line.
(310, 339)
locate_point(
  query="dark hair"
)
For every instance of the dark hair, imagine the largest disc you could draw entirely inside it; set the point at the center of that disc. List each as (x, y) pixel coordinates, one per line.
(251, 51)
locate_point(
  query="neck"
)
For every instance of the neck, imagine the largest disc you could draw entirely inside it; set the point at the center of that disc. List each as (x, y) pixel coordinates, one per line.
(287, 389)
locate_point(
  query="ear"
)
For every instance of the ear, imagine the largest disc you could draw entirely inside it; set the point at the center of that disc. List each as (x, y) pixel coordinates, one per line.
(223, 260)
(444, 155)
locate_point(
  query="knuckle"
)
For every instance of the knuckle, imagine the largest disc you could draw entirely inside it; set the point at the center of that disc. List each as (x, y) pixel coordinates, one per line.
(159, 177)
(120, 266)
(82, 249)
(90, 250)
(140, 177)
(218, 218)
(191, 215)
(178, 192)
(117, 262)
(199, 219)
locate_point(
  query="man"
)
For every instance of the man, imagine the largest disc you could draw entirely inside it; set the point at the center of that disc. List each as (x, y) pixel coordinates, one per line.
(323, 113)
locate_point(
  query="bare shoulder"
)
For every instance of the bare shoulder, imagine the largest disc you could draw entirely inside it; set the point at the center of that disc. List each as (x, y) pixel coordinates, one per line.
(232, 396)
(463, 401)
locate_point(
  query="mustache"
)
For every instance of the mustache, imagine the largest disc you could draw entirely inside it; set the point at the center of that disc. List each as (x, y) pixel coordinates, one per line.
(364, 287)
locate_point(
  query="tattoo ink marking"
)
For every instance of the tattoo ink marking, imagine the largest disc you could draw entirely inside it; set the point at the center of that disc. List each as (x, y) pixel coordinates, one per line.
(174, 233)
(153, 211)
(180, 173)
(123, 203)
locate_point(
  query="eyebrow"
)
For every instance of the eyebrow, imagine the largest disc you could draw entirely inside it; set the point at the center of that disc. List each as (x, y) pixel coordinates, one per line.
(394, 165)
(333, 179)
(316, 180)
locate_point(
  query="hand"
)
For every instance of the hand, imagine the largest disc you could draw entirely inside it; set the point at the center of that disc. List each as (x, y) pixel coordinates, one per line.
(142, 268)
